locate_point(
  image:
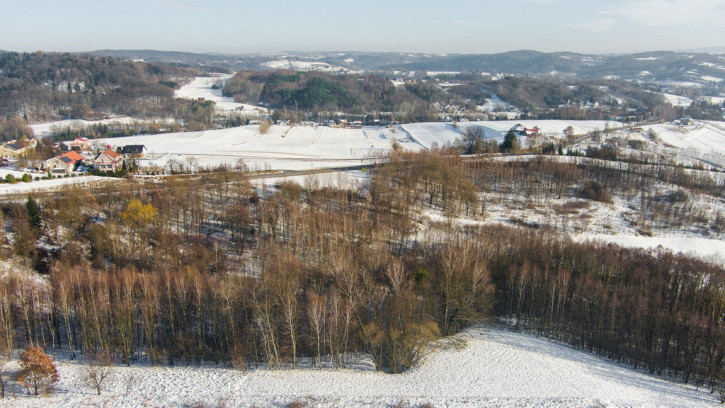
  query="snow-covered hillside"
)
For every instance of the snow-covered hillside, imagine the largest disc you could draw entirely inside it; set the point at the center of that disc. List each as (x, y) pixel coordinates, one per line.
(426, 134)
(677, 100)
(306, 66)
(551, 128)
(201, 87)
(706, 136)
(495, 368)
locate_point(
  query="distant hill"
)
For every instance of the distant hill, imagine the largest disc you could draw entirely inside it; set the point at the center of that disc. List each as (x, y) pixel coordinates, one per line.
(694, 67)
(710, 50)
(170, 57)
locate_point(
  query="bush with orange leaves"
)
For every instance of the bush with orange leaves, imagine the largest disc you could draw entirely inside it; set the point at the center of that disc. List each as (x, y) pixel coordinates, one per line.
(38, 370)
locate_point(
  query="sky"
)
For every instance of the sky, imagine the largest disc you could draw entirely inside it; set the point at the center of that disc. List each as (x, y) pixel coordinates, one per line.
(449, 26)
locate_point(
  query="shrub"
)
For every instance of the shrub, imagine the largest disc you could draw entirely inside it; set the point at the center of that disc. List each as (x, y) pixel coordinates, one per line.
(636, 144)
(38, 370)
(264, 126)
(594, 190)
(679, 196)
(297, 404)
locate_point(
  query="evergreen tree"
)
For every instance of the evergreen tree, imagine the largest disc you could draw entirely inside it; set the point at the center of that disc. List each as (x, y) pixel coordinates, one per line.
(33, 212)
(510, 143)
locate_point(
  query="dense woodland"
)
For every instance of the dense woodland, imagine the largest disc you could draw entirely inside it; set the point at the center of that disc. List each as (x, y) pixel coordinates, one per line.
(208, 268)
(314, 92)
(48, 86)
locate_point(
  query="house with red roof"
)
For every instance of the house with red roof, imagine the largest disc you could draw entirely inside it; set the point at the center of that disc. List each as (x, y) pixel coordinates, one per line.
(108, 160)
(66, 163)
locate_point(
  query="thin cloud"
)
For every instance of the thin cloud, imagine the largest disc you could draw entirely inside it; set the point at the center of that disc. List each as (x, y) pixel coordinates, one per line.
(596, 25)
(463, 23)
(657, 13)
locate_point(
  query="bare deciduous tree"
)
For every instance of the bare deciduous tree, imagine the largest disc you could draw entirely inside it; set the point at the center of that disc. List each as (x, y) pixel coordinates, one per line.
(98, 370)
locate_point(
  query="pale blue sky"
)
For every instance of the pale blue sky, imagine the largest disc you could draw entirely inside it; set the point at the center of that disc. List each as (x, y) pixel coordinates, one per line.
(452, 26)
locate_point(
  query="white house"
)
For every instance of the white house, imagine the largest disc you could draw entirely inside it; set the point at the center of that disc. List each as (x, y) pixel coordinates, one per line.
(108, 160)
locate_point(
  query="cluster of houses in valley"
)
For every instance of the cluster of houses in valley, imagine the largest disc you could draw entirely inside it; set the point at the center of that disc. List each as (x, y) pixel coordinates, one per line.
(108, 160)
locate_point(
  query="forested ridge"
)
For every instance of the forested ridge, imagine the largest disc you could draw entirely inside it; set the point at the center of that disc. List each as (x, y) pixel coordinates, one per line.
(210, 269)
(46, 86)
(352, 93)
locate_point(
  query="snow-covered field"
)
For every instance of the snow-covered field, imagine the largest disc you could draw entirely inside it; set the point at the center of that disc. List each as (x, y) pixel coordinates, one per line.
(344, 180)
(677, 100)
(280, 148)
(305, 147)
(440, 133)
(201, 87)
(706, 136)
(495, 368)
(713, 99)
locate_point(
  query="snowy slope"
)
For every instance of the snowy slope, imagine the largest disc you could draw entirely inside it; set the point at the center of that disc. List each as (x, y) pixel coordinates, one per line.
(440, 133)
(707, 136)
(201, 87)
(306, 66)
(426, 134)
(677, 100)
(497, 368)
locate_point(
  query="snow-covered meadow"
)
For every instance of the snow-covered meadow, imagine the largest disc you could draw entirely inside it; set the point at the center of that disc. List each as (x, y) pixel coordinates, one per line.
(202, 87)
(705, 136)
(280, 148)
(307, 147)
(485, 367)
